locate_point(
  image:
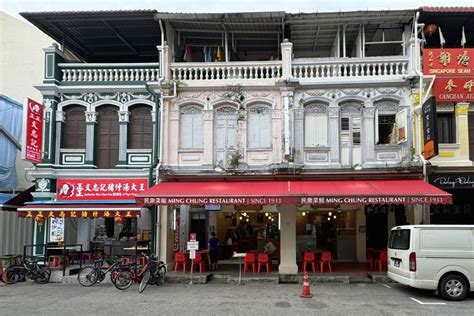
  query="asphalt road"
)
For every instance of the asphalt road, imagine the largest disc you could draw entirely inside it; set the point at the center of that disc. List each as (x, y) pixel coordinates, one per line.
(226, 299)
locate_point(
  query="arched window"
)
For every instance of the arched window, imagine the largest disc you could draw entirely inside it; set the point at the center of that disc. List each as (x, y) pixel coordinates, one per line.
(107, 137)
(259, 127)
(74, 136)
(315, 125)
(140, 127)
(191, 128)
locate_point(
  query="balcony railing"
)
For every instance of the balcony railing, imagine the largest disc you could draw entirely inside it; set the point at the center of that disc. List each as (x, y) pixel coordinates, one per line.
(226, 71)
(349, 68)
(122, 72)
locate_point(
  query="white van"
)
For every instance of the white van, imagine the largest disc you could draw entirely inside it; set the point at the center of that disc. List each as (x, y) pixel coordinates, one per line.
(433, 257)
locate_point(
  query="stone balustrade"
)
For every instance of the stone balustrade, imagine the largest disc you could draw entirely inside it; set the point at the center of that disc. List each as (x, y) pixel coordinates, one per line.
(349, 67)
(226, 71)
(123, 72)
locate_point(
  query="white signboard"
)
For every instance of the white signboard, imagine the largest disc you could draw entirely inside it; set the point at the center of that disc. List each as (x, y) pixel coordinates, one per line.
(193, 245)
(192, 254)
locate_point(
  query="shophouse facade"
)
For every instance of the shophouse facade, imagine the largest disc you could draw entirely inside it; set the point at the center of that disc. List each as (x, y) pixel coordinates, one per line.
(272, 108)
(448, 32)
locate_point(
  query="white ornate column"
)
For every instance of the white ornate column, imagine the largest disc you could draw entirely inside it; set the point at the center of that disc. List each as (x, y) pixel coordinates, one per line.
(60, 119)
(123, 117)
(368, 130)
(208, 136)
(288, 264)
(462, 129)
(91, 120)
(334, 135)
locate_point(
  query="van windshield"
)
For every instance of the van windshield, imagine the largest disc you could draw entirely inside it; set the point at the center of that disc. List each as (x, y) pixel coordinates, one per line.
(399, 239)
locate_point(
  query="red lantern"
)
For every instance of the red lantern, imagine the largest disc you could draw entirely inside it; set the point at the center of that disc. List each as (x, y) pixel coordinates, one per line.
(118, 219)
(430, 29)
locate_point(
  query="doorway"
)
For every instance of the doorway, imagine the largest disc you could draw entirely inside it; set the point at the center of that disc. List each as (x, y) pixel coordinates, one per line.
(376, 220)
(107, 137)
(198, 227)
(350, 140)
(225, 136)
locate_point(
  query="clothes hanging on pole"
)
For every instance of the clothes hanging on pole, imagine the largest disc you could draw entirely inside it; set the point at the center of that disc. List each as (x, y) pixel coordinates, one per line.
(219, 54)
(188, 53)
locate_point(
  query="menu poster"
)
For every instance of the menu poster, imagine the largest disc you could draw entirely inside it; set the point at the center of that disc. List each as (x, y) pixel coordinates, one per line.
(56, 229)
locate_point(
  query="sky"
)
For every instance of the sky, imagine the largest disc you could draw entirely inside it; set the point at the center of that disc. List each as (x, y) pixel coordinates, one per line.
(12, 7)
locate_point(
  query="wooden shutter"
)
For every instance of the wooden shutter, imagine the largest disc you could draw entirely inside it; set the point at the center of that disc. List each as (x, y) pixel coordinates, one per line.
(253, 130)
(401, 120)
(107, 137)
(265, 129)
(140, 128)
(74, 135)
(321, 136)
(191, 128)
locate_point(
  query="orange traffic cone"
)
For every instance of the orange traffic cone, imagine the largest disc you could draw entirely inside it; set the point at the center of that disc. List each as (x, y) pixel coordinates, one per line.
(306, 291)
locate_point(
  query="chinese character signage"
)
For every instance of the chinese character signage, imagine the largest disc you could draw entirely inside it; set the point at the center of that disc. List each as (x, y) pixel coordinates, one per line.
(430, 130)
(78, 214)
(321, 200)
(32, 131)
(454, 70)
(450, 62)
(454, 89)
(99, 189)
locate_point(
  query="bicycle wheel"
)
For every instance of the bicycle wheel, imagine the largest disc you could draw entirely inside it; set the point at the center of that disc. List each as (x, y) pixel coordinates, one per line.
(87, 276)
(11, 276)
(144, 281)
(124, 280)
(160, 280)
(43, 276)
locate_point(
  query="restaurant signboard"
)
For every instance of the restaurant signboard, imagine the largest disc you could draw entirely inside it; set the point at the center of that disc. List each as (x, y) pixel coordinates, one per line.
(99, 189)
(453, 181)
(32, 140)
(287, 200)
(450, 62)
(430, 130)
(454, 89)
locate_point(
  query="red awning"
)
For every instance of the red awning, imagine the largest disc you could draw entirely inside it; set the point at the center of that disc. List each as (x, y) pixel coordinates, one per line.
(80, 210)
(294, 192)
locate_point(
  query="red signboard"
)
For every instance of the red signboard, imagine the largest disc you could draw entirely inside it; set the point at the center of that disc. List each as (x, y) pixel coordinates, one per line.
(192, 237)
(454, 89)
(32, 131)
(451, 62)
(99, 189)
(79, 214)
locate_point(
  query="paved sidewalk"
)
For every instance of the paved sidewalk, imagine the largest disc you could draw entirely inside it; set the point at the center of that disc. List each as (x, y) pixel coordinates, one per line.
(225, 299)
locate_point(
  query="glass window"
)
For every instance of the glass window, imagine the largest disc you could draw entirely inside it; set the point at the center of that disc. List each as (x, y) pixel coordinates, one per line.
(446, 128)
(386, 129)
(399, 239)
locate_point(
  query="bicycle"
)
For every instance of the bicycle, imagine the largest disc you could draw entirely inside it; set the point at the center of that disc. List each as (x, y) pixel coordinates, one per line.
(154, 274)
(133, 273)
(29, 269)
(90, 275)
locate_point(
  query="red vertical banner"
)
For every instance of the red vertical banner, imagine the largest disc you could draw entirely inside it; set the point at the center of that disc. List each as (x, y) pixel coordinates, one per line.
(32, 131)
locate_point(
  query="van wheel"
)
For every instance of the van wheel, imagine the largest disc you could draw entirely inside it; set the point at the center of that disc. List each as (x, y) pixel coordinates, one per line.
(453, 287)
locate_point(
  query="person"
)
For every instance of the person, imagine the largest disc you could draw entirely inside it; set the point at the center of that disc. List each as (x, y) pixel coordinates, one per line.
(213, 247)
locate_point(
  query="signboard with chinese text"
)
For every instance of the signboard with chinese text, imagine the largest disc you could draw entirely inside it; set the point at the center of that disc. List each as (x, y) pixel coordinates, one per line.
(32, 141)
(99, 189)
(450, 62)
(430, 129)
(454, 89)
(322, 200)
(79, 214)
